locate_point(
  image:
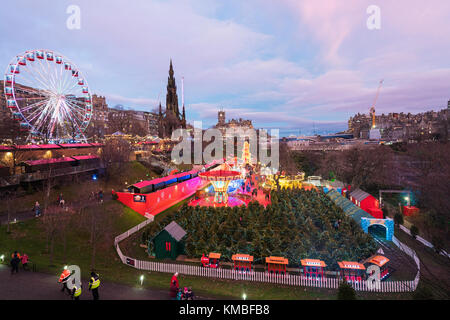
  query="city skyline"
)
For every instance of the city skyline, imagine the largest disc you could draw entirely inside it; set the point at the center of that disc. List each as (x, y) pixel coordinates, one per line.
(316, 67)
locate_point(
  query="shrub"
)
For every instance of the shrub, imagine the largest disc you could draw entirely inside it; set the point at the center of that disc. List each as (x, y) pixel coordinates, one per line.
(29, 189)
(437, 243)
(346, 292)
(398, 219)
(414, 231)
(423, 293)
(115, 196)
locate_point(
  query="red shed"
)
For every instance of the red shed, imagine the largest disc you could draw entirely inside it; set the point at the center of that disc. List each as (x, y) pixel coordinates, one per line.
(410, 210)
(367, 202)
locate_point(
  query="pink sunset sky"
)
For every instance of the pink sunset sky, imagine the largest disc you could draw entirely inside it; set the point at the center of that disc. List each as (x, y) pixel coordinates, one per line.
(284, 64)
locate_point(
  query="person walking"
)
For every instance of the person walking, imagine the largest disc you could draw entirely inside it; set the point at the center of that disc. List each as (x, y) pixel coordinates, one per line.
(94, 283)
(37, 209)
(15, 262)
(100, 196)
(24, 261)
(173, 290)
(175, 278)
(65, 275)
(60, 199)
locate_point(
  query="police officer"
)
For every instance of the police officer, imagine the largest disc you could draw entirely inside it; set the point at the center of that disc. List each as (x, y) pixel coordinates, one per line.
(94, 283)
(76, 292)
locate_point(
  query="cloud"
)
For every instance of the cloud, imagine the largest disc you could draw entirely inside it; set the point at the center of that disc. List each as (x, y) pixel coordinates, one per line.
(286, 64)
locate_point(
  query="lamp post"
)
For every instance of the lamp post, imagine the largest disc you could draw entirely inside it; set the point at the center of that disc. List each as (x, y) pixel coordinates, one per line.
(408, 203)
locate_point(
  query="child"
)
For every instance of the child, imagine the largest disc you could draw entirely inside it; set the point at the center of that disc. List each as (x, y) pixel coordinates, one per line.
(37, 209)
(180, 294)
(24, 260)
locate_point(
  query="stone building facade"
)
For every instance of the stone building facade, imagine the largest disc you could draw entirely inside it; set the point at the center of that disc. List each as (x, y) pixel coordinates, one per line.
(404, 126)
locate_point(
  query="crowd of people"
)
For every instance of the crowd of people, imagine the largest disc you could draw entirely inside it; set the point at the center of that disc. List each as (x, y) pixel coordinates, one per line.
(177, 293)
(16, 260)
(75, 291)
(96, 196)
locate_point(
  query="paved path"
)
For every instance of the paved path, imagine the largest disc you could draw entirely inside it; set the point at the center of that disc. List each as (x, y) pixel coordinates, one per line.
(30, 214)
(27, 285)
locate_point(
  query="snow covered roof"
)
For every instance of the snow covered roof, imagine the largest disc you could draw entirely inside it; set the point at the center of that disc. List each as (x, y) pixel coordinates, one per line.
(175, 231)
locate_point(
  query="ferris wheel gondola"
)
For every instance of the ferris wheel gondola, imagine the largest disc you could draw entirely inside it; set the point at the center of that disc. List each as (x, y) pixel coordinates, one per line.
(48, 95)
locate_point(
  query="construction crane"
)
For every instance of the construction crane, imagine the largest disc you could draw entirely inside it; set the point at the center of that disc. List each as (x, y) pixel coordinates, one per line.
(372, 109)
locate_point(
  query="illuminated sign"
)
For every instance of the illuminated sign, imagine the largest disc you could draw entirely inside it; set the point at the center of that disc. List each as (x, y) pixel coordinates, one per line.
(377, 221)
(313, 263)
(139, 198)
(352, 266)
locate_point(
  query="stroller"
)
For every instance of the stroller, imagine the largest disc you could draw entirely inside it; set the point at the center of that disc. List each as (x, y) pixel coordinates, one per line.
(185, 294)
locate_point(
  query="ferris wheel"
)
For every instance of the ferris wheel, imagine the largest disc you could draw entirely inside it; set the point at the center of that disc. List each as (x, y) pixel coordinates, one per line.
(48, 95)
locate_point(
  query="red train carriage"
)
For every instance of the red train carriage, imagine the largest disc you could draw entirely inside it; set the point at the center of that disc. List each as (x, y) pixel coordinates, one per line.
(381, 262)
(313, 268)
(276, 265)
(211, 261)
(352, 271)
(242, 262)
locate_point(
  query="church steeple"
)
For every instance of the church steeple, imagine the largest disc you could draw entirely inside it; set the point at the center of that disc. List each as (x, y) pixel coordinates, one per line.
(160, 123)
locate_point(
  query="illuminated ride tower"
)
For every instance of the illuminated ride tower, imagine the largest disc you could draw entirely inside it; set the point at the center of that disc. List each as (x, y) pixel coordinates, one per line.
(246, 155)
(220, 179)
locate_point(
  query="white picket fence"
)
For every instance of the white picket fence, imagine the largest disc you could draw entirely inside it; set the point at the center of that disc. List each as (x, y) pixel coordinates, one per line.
(257, 276)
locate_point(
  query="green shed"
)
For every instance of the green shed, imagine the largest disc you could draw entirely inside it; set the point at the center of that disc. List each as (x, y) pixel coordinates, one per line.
(169, 243)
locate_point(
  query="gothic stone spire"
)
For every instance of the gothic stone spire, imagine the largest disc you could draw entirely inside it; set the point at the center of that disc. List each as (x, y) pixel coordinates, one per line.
(171, 97)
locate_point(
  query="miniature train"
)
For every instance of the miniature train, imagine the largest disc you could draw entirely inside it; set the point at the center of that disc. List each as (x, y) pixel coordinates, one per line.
(352, 272)
(164, 182)
(161, 183)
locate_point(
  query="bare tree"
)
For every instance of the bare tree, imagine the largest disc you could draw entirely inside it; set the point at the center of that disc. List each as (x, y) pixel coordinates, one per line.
(287, 160)
(96, 222)
(47, 185)
(9, 196)
(115, 154)
(65, 217)
(51, 220)
(365, 166)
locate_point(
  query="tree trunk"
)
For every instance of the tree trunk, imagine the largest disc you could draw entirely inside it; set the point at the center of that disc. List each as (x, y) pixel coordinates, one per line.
(64, 246)
(9, 218)
(51, 250)
(93, 256)
(47, 246)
